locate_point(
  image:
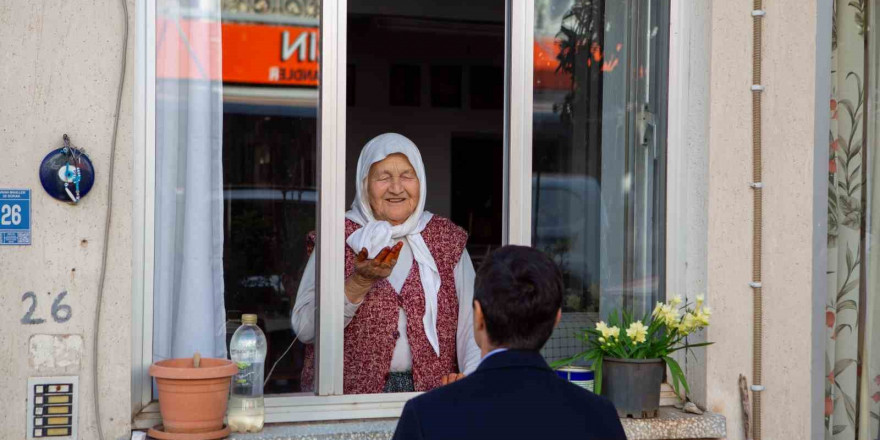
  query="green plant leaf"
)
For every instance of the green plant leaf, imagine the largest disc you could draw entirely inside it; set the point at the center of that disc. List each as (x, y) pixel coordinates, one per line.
(597, 375)
(567, 361)
(676, 371)
(690, 346)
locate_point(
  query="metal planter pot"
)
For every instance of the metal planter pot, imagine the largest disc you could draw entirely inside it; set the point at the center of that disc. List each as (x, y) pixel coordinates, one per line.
(633, 386)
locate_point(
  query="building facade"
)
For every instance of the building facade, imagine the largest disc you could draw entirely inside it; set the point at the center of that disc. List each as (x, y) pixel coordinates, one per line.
(616, 136)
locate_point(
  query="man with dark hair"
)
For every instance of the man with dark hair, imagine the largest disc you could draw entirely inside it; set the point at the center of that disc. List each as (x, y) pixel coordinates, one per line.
(513, 394)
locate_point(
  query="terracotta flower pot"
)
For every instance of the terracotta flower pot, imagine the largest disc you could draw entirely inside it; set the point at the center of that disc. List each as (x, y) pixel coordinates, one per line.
(193, 400)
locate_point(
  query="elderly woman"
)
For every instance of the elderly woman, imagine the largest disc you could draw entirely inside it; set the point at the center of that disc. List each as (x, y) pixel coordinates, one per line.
(408, 287)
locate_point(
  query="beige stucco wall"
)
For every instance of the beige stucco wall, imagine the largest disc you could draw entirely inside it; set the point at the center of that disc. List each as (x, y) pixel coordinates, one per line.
(59, 64)
(790, 101)
(58, 74)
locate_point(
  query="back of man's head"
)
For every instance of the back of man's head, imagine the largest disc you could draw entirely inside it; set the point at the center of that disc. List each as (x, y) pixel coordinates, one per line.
(520, 293)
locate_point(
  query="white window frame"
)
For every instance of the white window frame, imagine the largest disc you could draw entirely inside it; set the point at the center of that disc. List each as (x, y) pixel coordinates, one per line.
(329, 403)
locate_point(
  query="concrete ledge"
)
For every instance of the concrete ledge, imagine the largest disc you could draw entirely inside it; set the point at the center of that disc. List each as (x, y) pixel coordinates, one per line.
(381, 429)
(671, 424)
(674, 424)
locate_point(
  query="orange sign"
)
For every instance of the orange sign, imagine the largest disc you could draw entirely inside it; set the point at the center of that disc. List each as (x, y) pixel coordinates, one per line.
(278, 55)
(264, 54)
(545, 75)
(251, 53)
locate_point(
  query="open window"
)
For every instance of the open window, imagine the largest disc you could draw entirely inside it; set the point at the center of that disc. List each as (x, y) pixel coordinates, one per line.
(540, 123)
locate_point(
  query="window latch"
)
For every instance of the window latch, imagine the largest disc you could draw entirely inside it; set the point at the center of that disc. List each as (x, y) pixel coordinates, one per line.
(646, 127)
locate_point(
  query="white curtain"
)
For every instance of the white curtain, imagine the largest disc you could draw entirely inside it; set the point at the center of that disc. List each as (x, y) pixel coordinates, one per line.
(189, 313)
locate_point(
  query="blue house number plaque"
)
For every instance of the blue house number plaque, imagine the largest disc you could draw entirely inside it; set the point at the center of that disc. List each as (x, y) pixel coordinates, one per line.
(15, 216)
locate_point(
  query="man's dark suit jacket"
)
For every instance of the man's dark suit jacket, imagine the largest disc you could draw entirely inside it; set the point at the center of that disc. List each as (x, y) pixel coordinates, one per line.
(512, 395)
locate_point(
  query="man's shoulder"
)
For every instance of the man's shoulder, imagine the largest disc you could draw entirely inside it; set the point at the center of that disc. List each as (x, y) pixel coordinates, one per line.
(490, 403)
(481, 383)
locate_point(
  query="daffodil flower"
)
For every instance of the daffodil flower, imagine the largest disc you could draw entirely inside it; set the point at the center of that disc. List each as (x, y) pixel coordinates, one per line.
(675, 301)
(614, 331)
(658, 309)
(688, 324)
(637, 332)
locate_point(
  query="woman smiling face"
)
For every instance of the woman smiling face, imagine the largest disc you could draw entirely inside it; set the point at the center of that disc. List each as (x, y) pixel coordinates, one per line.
(393, 189)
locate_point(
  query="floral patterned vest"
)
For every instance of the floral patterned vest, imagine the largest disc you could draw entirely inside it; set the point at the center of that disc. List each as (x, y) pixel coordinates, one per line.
(372, 334)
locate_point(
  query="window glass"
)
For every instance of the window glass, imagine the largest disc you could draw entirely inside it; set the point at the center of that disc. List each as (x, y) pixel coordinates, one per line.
(236, 193)
(270, 174)
(598, 185)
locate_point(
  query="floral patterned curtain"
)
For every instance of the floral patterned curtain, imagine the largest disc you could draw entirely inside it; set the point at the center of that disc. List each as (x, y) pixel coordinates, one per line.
(851, 395)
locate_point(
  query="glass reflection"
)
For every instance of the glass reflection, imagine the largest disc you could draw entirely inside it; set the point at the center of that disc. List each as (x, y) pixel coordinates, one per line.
(598, 155)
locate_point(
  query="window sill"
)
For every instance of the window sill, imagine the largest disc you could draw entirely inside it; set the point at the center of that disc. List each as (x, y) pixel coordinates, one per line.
(672, 424)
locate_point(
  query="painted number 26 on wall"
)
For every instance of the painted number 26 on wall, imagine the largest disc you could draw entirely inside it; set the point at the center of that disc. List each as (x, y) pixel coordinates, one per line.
(61, 313)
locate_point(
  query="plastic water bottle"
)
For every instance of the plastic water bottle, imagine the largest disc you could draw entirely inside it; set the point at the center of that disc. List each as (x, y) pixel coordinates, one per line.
(248, 352)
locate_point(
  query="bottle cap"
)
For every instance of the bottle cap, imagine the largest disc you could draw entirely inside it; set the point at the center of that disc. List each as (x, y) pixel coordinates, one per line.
(249, 318)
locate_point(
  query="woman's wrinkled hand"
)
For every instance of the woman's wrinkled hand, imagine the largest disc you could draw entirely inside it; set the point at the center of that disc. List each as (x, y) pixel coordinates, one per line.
(379, 267)
(367, 271)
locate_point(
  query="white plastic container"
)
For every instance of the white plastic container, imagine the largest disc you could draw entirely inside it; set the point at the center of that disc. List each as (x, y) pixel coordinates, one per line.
(248, 351)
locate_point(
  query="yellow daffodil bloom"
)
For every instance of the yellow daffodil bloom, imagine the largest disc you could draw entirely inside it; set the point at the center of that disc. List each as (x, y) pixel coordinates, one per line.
(688, 324)
(667, 314)
(637, 332)
(658, 309)
(703, 315)
(614, 332)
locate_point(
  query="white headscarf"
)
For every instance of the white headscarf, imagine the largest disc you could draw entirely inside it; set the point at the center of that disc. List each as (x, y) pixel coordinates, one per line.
(377, 234)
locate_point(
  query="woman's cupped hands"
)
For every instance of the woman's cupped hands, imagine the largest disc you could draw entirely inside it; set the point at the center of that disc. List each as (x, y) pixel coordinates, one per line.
(379, 267)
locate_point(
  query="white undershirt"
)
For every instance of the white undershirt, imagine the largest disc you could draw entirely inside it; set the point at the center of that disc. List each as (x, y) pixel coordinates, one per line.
(303, 316)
